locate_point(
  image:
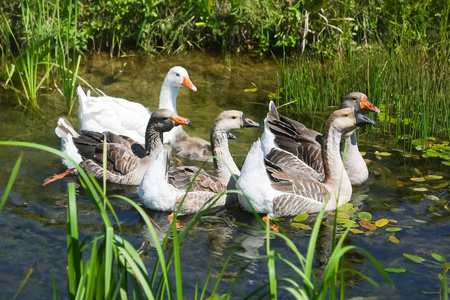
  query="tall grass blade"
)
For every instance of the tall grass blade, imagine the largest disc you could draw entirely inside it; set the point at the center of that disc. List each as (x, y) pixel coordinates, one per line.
(11, 180)
(24, 281)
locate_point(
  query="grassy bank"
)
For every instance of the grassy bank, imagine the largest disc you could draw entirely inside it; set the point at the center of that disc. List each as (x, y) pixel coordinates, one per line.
(409, 85)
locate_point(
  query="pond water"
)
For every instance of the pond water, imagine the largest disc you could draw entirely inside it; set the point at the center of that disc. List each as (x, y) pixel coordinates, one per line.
(33, 221)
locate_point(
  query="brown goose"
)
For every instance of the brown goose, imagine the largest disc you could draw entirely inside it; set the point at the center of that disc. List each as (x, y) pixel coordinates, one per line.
(304, 143)
(127, 159)
(275, 186)
(164, 188)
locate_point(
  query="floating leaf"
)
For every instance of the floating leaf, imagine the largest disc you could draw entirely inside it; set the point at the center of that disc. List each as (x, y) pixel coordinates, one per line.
(346, 221)
(446, 163)
(417, 171)
(438, 257)
(433, 177)
(441, 185)
(395, 270)
(393, 229)
(272, 95)
(431, 197)
(417, 179)
(400, 183)
(345, 207)
(365, 216)
(367, 233)
(300, 218)
(394, 240)
(356, 230)
(393, 221)
(414, 258)
(343, 215)
(368, 225)
(250, 90)
(419, 221)
(437, 215)
(396, 209)
(363, 153)
(382, 153)
(381, 222)
(301, 226)
(422, 189)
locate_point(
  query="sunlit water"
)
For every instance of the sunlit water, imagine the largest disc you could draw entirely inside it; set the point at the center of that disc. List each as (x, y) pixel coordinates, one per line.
(33, 221)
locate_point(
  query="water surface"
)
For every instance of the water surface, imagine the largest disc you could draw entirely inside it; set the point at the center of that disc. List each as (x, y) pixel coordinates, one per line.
(33, 221)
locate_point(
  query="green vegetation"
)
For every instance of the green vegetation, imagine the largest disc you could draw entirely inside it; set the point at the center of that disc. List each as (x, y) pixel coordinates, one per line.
(409, 85)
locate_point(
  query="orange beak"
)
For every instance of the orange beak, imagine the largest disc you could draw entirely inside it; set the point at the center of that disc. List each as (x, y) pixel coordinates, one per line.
(367, 105)
(188, 83)
(180, 120)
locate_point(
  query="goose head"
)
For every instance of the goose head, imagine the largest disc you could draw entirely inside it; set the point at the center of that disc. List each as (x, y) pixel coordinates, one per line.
(348, 119)
(179, 77)
(233, 119)
(164, 119)
(360, 100)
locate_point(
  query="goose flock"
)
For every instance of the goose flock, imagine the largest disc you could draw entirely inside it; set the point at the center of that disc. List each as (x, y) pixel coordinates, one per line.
(289, 170)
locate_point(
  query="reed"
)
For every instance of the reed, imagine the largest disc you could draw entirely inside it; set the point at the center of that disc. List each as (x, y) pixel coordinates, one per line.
(408, 85)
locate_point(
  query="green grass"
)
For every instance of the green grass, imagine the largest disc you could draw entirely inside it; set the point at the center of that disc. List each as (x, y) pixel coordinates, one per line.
(410, 86)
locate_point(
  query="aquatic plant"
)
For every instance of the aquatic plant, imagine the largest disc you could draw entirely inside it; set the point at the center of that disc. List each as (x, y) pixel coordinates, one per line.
(408, 86)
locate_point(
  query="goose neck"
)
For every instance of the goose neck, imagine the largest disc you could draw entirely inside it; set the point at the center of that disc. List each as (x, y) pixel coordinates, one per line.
(223, 166)
(168, 96)
(332, 162)
(153, 142)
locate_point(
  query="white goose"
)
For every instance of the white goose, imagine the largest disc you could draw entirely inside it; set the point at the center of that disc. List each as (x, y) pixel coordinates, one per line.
(305, 143)
(128, 118)
(164, 188)
(281, 184)
(127, 160)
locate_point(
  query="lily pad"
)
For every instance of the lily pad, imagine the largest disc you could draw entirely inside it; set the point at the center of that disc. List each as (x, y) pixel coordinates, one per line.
(395, 270)
(365, 216)
(414, 258)
(300, 218)
(356, 230)
(301, 226)
(394, 240)
(394, 229)
(422, 189)
(433, 177)
(381, 222)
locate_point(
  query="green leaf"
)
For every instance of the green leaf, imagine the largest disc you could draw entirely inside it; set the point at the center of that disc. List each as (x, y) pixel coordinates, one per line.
(345, 207)
(393, 229)
(300, 218)
(417, 179)
(365, 216)
(414, 258)
(382, 153)
(250, 90)
(446, 163)
(422, 189)
(301, 226)
(433, 177)
(438, 257)
(395, 270)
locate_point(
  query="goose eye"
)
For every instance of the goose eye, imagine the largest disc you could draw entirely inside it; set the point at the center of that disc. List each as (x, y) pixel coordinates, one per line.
(346, 115)
(234, 117)
(178, 75)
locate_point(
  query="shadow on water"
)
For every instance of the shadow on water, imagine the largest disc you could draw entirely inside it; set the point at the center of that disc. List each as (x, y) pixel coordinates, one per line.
(33, 220)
